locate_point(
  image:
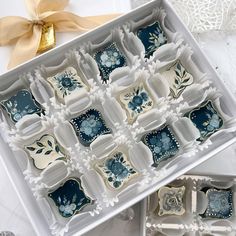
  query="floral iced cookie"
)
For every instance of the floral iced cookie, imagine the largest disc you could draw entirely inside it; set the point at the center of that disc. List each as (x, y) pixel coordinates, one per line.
(206, 119)
(109, 59)
(45, 151)
(152, 37)
(70, 198)
(220, 204)
(162, 143)
(136, 100)
(89, 126)
(66, 82)
(116, 170)
(171, 201)
(178, 79)
(21, 104)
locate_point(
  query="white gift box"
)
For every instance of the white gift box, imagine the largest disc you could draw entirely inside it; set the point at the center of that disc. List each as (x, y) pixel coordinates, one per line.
(195, 203)
(36, 206)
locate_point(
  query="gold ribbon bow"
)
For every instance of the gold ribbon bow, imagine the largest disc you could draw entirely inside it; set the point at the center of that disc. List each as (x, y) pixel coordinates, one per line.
(26, 34)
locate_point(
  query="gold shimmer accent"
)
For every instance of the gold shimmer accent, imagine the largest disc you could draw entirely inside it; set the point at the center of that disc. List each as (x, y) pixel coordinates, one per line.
(48, 38)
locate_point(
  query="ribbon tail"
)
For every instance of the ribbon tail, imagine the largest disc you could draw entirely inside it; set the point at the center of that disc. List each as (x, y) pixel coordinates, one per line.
(102, 19)
(13, 27)
(26, 47)
(49, 5)
(66, 21)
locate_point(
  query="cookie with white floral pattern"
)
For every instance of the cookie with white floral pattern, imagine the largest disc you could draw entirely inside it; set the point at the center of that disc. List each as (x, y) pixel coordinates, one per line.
(162, 143)
(89, 125)
(21, 104)
(206, 119)
(70, 198)
(108, 59)
(220, 203)
(152, 37)
(136, 100)
(66, 82)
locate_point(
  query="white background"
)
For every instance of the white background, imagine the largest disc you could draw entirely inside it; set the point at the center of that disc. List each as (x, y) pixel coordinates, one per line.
(219, 47)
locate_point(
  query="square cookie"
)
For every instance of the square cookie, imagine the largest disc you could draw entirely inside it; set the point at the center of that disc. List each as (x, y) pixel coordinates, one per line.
(136, 100)
(116, 170)
(206, 119)
(220, 204)
(152, 37)
(45, 151)
(178, 79)
(90, 125)
(108, 59)
(70, 198)
(171, 201)
(162, 143)
(66, 83)
(21, 104)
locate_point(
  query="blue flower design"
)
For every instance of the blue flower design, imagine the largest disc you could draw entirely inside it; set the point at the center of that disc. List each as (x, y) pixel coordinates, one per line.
(66, 82)
(108, 59)
(152, 37)
(136, 101)
(70, 198)
(220, 203)
(206, 119)
(162, 144)
(21, 104)
(89, 126)
(117, 170)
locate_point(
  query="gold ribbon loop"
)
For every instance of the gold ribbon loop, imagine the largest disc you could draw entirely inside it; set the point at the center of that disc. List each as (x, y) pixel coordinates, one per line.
(49, 5)
(13, 27)
(26, 34)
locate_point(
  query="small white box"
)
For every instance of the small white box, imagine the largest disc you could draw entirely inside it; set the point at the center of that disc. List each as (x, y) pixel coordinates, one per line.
(196, 204)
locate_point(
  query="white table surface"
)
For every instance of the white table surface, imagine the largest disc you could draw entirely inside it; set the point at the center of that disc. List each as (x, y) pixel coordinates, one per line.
(220, 49)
